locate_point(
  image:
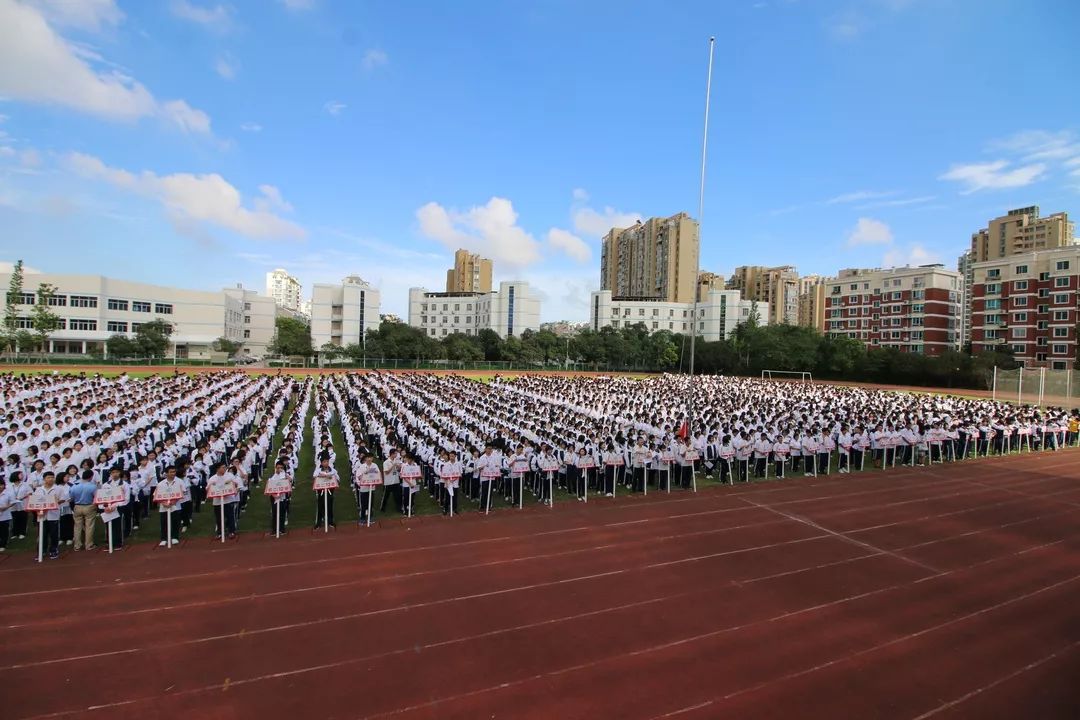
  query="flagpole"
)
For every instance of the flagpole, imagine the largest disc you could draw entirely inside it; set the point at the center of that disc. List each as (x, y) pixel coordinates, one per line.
(697, 258)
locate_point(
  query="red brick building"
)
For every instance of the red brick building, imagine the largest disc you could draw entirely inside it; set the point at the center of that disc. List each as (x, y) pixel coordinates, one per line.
(1029, 303)
(913, 309)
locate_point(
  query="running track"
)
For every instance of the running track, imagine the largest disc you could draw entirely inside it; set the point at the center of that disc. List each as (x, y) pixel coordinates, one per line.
(946, 592)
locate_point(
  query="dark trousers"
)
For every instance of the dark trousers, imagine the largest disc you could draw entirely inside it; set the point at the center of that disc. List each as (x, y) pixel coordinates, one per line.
(18, 522)
(5, 530)
(485, 493)
(322, 504)
(760, 464)
(363, 502)
(51, 528)
(117, 526)
(230, 512)
(452, 500)
(277, 515)
(163, 522)
(67, 528)
(725, 470)
(639, 479)
(394, 490)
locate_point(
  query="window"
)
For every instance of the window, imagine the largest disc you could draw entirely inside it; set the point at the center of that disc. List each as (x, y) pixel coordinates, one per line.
(835, 290)
(1019, 302)
(1041, 342)
(247, 334)
(137, 306)
(1063, 265)
(83, 301)
(1060, 349)
(1019, 332)
(1020, 285)
(26, 298)
(1060, 332)
(1022, 270)
(1019, 349)
(247, 319)
(457, 307)
(1061, 282)
(853, 286)
(993, 304)
(993, 274)
(117, 304)
(1061, 316)
(116, 327)
(163, 309)
(655, 325)
(1020, 317)
(993, 288)
(895, 296)
(1044, 276)
(1059, 365)
(918, 294)
(917, 308)
(1061, 299)
(58, 301)
(24, 323)
(83, 324)
(1043, 309)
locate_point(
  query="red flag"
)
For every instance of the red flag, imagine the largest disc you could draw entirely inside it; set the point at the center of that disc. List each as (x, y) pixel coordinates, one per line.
(684, 430)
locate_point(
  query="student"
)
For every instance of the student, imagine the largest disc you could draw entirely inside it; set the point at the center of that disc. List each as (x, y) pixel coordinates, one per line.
(392, 481)
(410, 474)
(640, 460)
(51, 524)
(7, 501)
(280, 502)
(844, 441)
(367, 477)
(780, 449)
(762, 448)
(19, 492)
(110, 514)
(489, 473)
(584, 463)
(168, 486)
(451, 478)
(224, 501)
(324, 499)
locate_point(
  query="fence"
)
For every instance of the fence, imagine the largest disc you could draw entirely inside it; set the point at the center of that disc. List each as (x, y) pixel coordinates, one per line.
(1037, 386)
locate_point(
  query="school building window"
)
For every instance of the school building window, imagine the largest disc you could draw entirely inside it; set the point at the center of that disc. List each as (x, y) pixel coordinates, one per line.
(83, 324)
(247, 319)
(24, 323)
(1020, 302)
(116, 327)
(247, 334)
(83, 301)
(1019, 332)
(137, 306)
(162, 309)
(26, 298)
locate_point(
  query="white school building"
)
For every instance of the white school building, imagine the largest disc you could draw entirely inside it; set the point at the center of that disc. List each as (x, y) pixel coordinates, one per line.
(509, 311)
(719, 313)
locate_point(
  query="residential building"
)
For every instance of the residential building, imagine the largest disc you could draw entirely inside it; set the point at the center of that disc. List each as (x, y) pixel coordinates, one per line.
(341, 314)
(471, 273)
(509, 311)
(655, 259)
(965, 266)
(93, 308)
(284, 289)
(259, 321)
(709, 281)
(777, 286)
(564, 328)
(811, 302)
(1020, 231)
(1029, 303)
(913, 309)
(719, 313)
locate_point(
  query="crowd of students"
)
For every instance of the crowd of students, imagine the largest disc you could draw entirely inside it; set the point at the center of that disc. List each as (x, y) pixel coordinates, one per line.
(171, 445)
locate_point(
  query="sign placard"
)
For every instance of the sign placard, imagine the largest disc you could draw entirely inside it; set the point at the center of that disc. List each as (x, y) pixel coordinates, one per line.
(109, 495)
(40, 501)
(164, 495)
(278, 486)
(324, 482)
(225, 489)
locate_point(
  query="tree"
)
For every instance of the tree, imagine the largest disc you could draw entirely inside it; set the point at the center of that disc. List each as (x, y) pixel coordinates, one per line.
(491, 344)
(462, 348)
(11, 309)
(152, 338)
(46, 322)
(121, 346)
(355, 352)
(291, 337)
(225, 345)
(330, 351)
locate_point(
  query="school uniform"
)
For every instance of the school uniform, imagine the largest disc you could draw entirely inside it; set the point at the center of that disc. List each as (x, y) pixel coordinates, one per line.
(224, 488)
(7, 501)
(410, 475)
(391, 485)
(367, 477)
(166, 509)
(19, 517)
(111, 517)
(324, 499)
(451, 480)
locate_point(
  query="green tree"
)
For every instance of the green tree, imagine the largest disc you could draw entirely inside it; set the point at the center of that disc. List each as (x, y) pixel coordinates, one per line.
(46, 322)
(356, 352)
(462, 348)
(225, 345)
(11, 308)
(491, 344)
(291, 337)
(152, 338)
(121, 346)
(329, 351)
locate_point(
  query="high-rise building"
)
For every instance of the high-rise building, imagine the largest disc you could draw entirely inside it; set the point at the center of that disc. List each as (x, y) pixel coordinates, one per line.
(811, 312)
(1028, 302)
(1020, 231)
(964, 265)
(654, 259)
(509, 311)
(341, 314)
(913, 309)
(709, 281)
(778, 286)
(719, 313)
(471, 273)
(284, 288)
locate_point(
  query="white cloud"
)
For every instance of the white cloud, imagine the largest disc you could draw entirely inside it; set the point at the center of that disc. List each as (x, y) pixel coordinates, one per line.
(581, 195)
(196, 198)
(859, 195)
(39, 66)
(868, 231)
(216, 17)
(490, 230)
(1036, 145)
(374, 58)
(334, 107)
(569, 243)
(595, 223)
(7, 266)
(251, 127)
(993, 175)
(914, 255)
(900, 202)
(225, 67)
(272, 199)
(89, 15)
(298, 5)
(30, 158)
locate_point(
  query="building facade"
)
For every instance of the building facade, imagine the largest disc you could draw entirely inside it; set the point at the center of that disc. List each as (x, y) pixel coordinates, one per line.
(341, 314)
(1021, 231)
(471, 273)
(709, 281)
(811, 303)
(93, 308)
(509, 311)
(719, 313)
(913, 309)
(965, 266)
(777, 286)
(259, 321)
(1029, 303)
(656, 258)
(284, 289)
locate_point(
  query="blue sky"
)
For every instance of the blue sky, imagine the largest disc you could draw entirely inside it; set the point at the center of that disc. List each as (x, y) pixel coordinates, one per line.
(200, 143)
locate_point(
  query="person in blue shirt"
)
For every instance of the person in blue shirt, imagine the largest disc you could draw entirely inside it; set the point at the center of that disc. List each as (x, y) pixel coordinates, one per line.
(82, 495)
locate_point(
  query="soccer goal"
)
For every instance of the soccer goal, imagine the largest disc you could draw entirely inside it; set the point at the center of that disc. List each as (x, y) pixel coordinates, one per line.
(787, 375)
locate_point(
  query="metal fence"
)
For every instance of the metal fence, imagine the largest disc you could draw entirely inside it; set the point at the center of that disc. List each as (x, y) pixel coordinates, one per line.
(1037, 386)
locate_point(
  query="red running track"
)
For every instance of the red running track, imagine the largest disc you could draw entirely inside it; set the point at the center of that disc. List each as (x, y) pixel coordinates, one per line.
(934, 592)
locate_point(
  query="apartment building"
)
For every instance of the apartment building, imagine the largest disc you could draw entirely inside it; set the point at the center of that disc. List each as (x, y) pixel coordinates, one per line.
(709, 281)
(913, 309)
(777, 286)
(1029, 303)
(811, 302)
(719, 313)
(1021, 231)
(284, 289)
(471, 273)
(509, 311)
(341, 314)
(656, 259)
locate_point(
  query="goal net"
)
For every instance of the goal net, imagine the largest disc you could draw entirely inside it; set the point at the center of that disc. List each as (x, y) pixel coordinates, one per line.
(787, 375)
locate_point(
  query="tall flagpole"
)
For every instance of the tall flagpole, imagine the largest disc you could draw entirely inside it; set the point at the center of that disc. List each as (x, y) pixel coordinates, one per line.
(697, 254)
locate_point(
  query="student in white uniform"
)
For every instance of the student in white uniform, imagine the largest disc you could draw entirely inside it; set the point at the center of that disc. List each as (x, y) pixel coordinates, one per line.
(7, 501)
(367, 477)
(171, 485)
(324, 499)
(219, 483)
(51, 525)
(392, 481)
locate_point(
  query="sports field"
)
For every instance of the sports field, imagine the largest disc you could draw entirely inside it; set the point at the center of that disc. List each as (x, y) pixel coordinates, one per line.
(933, 592)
